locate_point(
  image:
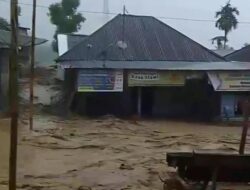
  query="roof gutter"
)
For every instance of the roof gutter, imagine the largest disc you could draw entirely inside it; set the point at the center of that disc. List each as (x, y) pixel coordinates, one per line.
(158, 65)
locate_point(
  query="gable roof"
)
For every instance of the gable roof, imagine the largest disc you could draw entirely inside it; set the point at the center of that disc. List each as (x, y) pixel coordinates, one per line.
(160, 65)
(74, 39)
(242, 54)
(223, 52)
(23, 40)
(146, 38)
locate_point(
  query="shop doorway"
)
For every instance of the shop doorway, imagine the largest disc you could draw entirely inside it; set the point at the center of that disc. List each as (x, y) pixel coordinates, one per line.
(147, 101)
(142, 101)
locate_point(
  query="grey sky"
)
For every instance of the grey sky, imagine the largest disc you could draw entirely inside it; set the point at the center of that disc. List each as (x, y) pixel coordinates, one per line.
(202, 32)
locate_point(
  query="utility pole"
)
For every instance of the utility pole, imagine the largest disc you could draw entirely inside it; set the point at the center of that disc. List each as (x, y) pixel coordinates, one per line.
(245, 127)
(106, 10)
(32, 64)
(123, 22)
(13, 93)
(106, 7)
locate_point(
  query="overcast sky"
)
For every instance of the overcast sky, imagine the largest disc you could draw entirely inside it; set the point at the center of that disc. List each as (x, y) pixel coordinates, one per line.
(202, 32)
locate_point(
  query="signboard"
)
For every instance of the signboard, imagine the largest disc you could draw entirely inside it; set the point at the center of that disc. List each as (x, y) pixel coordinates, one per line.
(100, 81)
(156, 78)
(230, 81)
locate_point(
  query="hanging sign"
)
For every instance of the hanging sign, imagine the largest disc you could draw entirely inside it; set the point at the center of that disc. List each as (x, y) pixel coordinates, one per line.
(156, 78)
(230, 81)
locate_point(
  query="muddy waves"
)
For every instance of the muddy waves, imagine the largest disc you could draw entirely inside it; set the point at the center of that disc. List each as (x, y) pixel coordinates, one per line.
(107, 153)
(4, 152)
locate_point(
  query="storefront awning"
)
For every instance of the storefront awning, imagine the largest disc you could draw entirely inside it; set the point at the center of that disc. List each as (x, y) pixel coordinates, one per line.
(230, 81)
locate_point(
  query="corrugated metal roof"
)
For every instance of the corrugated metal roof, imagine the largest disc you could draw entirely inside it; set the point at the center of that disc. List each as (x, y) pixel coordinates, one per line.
(147, 39)
(223, 52)
(242, 54)
(159, 65)
(5, 39)
(74, 39)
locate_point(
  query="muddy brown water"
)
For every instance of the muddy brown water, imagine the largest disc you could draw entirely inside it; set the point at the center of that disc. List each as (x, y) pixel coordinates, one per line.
(4, 151)
(105, 153)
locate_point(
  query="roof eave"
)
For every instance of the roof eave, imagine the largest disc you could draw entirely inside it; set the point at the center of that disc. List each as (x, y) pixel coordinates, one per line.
(159, 65)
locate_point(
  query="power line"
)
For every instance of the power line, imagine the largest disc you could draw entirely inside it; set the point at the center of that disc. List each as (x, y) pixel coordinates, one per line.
(46, 7)
(113, 13)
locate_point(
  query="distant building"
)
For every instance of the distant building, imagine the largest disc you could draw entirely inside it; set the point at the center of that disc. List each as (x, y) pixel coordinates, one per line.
(140, 65)
(24, 42)
(65, 43)
(223, 52)
(23, 30)
(242, 54)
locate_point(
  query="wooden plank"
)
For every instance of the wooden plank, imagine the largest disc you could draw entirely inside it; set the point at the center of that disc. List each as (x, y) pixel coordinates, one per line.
(214, 178)
(245, 127)
(197, 167)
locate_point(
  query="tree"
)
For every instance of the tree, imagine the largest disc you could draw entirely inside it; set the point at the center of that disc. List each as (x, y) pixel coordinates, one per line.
(4, 24)
(227, 19)
(19, 11)
(246, 44)
(65, 17)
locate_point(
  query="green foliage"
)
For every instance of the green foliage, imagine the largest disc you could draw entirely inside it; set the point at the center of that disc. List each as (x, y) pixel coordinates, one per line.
(227, 19)
(19, 10)
(65, 17)
(246, 44)
(4, 24)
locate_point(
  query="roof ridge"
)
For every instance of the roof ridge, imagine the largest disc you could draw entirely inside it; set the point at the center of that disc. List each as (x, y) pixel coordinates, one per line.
(203, 47)
(203, 52)
(236, 51)
(87, 37)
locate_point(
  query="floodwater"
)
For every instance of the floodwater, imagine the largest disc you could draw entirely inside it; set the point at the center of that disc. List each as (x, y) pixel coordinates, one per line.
(107, 153)
(43, 94)
(4, 152)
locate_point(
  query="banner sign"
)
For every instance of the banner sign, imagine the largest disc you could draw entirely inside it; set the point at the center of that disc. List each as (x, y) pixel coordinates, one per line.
(100, 80)
(230, 81)
(156, 78)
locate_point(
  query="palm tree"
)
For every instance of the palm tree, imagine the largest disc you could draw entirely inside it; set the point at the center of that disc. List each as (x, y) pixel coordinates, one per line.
(227, 20)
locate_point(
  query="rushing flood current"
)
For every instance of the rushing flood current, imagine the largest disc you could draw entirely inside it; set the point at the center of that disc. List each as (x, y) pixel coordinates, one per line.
(104, 153)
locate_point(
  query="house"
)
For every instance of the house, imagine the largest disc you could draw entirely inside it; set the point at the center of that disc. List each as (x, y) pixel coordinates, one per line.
(242, 54)
(223, 52)
(140, 65)
(23, 30)
(65, 43)
(24, 42)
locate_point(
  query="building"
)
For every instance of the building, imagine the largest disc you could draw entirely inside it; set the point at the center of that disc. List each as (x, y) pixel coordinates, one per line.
(235, 98)
(65, 43)
(24, 44)
(242, 54)
(140, 65)
(223, 52)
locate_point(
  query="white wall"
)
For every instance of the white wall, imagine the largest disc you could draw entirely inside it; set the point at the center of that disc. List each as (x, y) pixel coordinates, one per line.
(62, 40)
